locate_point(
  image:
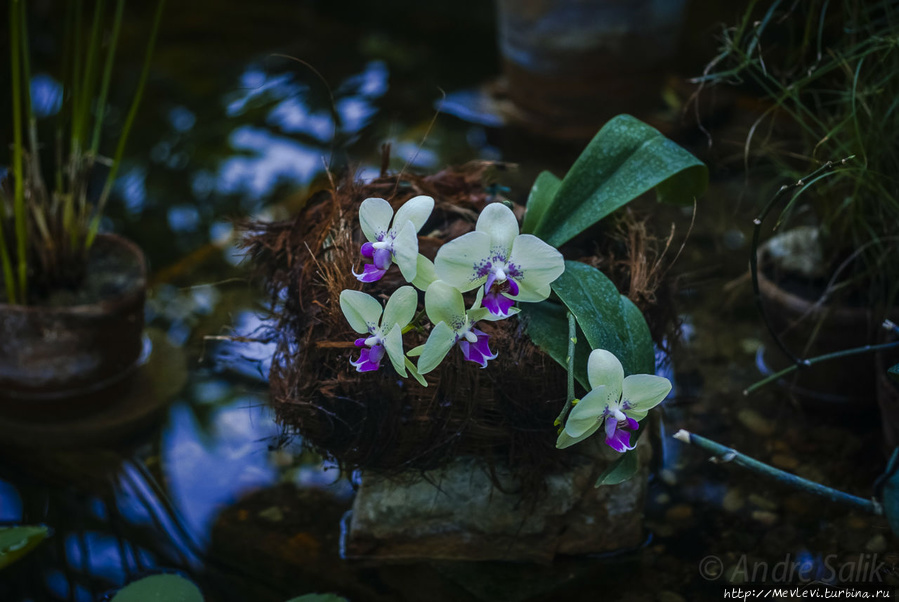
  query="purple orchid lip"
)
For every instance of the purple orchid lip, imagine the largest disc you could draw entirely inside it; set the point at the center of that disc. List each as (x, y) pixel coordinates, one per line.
(479, 351)
(381, 260)
(370, 273)
(369, 359)
(618, 437)
(498, 299)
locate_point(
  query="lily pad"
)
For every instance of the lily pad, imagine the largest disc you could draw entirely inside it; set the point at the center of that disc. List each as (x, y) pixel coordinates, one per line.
(160, 588)
(16, 542)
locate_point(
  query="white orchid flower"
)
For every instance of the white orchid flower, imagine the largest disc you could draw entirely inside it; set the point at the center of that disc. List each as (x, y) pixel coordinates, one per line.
(616, 402)
(392, 238)
(511, 266)
(383, 327)
(453, 325)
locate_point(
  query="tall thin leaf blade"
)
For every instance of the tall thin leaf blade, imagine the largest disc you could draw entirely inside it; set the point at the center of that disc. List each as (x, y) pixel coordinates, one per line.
(624, 160)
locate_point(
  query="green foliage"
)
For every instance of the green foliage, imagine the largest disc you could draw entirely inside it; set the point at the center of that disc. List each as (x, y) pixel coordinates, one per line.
(606, 320)
(46, 230)
(160, 588)
(16, 542)
(830, 72)
(624, 160)
(621, 470)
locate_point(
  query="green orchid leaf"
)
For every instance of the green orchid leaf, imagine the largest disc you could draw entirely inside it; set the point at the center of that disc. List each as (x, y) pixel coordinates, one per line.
(546, 324)
(541, 197)
(621, 470)
(609, 320)
(160, 588)
(319, 598)
(893, 372)
(626, 159)
(887, 487)
(16, 542)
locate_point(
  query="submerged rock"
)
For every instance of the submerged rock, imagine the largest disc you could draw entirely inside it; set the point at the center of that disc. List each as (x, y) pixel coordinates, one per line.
(457, 513)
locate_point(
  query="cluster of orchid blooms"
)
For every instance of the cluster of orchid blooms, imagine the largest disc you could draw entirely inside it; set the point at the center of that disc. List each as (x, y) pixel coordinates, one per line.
(503, 266)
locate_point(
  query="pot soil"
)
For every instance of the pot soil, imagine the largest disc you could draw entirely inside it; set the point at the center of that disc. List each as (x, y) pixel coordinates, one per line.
(75, 344)
(790, 294)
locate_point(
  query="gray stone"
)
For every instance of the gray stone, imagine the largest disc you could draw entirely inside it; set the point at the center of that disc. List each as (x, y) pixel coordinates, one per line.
(456, 513)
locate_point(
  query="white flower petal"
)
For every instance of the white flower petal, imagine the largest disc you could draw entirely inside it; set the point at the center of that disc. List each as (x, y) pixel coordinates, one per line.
(604, 369)
(440, 341)
(444, 303)
(425, 273)
(400, 308)
(374, 217)
(586, 413)
(643, 392)
(362, 311)
(566, 440)
(482, 313)
(540, 265)
(500, 224)
(393, 345)
(405, 251)
(458, 261)
(416, 210)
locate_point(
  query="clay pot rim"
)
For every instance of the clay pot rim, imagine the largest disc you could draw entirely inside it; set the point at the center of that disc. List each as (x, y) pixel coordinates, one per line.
(841, 314)
(97, 307)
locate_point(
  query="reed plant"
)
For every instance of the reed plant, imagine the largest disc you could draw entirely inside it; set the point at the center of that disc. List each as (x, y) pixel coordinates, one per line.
(829, 73)
(47, 228)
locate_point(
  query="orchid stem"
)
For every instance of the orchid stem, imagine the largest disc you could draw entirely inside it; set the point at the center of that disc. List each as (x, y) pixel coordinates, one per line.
(723, 453)
(818, 359)
(572, 341)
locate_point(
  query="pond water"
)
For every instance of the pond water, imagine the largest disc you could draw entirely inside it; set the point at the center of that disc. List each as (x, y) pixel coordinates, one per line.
(231, 128)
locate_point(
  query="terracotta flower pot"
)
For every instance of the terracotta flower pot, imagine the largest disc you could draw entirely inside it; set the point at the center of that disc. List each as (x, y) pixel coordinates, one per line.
(50, 354)
(810, 329)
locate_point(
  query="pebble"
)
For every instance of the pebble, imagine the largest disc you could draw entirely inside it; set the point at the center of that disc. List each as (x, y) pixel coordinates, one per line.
(670, 597)
(668, 476)
(857, 522)
(662, 499)
(877, 544)
(762, 502)
(733, 500)
(679, 512)
(797, 504)
(273, 514)
(785, 462)
(754, 421)
(765, 517)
